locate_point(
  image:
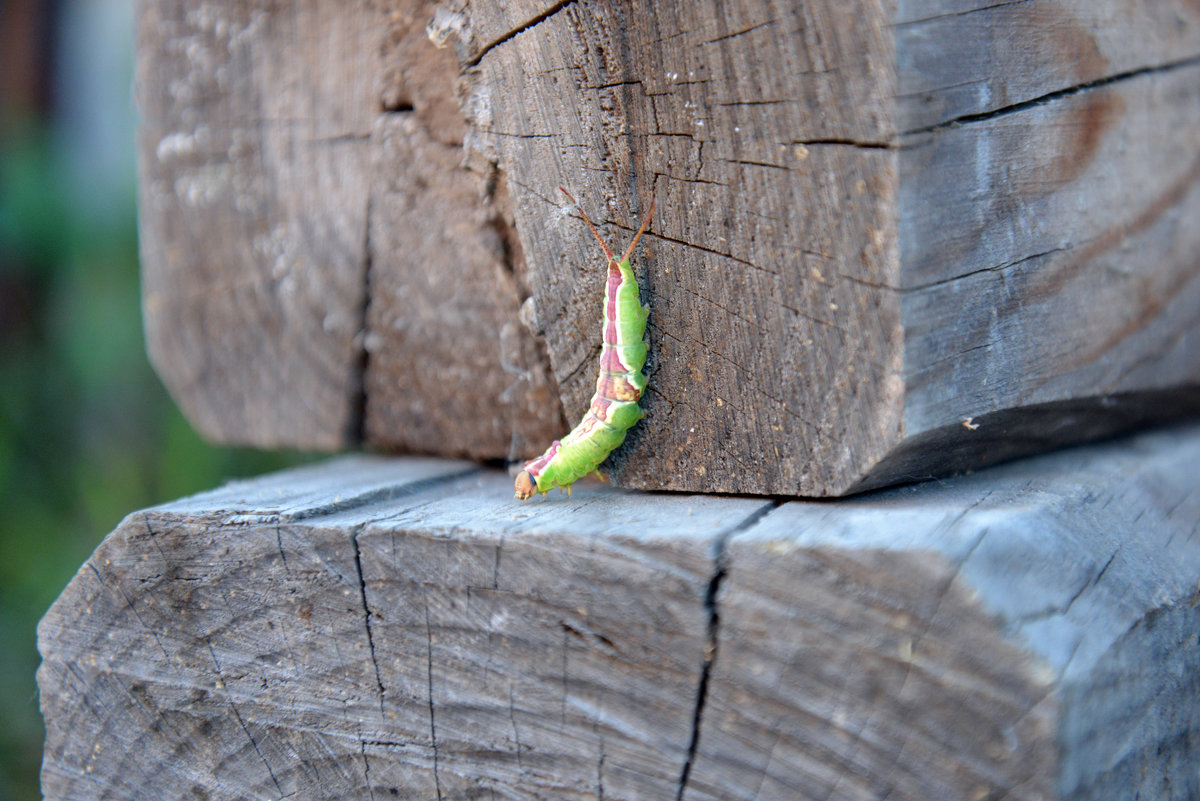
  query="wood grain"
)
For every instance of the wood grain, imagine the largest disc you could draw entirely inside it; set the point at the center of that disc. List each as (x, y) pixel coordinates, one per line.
(449, 367)
(749, 295)
(1034, 275)
(875, 224)
(960, 58)
(292, 294)
(253, 214)
(402, 628)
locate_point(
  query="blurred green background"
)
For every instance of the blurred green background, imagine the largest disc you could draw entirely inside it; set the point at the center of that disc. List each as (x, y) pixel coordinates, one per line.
(87, 432)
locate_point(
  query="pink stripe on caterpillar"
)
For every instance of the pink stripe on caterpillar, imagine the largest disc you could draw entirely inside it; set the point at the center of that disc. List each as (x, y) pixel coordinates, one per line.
(536, 466)
(612, 387)
(613, 283)
(610, 360)
(588, 424)
(610, 332)
(600, 409)
(612, 311)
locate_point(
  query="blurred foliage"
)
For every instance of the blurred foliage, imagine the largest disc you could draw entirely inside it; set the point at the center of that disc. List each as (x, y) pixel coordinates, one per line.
(87, 432)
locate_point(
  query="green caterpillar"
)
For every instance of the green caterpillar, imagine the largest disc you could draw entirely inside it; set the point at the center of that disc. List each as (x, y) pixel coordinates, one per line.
(614, 408)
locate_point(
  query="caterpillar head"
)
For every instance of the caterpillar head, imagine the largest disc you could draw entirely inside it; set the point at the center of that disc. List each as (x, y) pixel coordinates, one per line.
(525, 486)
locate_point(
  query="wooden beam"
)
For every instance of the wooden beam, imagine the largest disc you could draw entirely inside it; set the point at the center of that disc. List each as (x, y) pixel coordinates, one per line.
(885, 233)
(403, 628)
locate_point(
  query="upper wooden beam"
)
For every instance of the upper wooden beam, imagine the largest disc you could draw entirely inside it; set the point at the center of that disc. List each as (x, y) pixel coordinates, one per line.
(893, 240)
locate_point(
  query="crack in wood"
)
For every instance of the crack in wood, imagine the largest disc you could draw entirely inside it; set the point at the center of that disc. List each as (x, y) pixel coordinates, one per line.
(362, 589)
(356, 424)
(279, 543)
(532, 22)
(864, 144)
(751, 163)
(132, 608)
(685, 243)
(238, 717)
(995, 268)
(766, 101)
(713, 619)
(962, 13)
(1050, 97)
(612, 85)
(512, 719)
(1063, 609)
(681, 179)
(742, 32)
(437, 781)
(362, 747)
(492, 132)
(387, 492)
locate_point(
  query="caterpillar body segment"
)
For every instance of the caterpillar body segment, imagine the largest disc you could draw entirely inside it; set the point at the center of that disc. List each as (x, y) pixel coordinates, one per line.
(619, 386)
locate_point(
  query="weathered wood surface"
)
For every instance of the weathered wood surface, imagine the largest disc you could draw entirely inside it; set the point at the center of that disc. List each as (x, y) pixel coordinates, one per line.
(376, 628)
(876, 221)
(319, 269)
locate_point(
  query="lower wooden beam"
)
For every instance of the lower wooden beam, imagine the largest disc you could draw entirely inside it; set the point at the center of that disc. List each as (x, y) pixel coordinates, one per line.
(402, 628)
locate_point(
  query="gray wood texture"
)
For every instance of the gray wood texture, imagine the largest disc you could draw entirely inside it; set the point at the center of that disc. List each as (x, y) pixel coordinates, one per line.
(401, 628)
(319, 271)
(893, 239)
